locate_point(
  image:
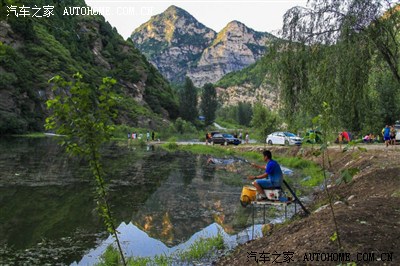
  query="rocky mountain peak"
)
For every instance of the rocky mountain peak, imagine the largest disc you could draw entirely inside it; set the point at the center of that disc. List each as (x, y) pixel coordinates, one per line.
(173, 41)
(239, 32)
(169, 26)
(175, 11)
(235, 24)
(179, 45)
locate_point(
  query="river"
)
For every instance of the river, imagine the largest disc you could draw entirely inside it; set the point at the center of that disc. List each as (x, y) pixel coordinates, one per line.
(161, 202)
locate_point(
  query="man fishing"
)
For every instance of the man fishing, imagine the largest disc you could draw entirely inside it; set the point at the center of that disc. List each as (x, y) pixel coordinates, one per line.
(272, 178)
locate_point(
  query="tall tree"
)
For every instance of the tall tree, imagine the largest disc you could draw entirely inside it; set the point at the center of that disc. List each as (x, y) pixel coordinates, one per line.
(188, 101)
(244, 113)
(209, 103)
(264, 121)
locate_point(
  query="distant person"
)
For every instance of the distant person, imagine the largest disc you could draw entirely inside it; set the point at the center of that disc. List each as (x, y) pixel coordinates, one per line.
(392, 135)
(372, 138)
(246, 138)
(240, 136)
(207, 138)
(153, 135)
(346, 136)
(133, 135)
(272, 178)
(147, 136)
(366, 139)
(340, 140)
(386, 135)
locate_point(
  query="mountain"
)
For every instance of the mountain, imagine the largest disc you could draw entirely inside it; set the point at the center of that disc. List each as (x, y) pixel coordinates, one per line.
(180, 46)
(251, 84)
(34, 50)
(173, 41)
(234, 48)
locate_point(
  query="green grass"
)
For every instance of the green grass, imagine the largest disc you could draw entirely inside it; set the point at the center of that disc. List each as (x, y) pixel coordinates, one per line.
(110, 257)
(215, 150)
(201, 248)
(162, 260)
(308, 168)
(32, 135)
(171, 146)
(396, 194)
(230, 124)
(159, 260)
(251, 155)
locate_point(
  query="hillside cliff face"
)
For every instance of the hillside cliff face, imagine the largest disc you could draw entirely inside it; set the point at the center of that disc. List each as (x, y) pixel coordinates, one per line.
(249, 93)
(178, 45)
(33, 51)
(251, 85)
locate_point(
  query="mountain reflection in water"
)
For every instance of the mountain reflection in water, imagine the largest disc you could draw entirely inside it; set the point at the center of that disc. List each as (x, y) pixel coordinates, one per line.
(137, 243)
(48, 213)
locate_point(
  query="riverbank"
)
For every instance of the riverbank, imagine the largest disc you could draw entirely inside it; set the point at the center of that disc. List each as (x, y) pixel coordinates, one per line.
(367, 210)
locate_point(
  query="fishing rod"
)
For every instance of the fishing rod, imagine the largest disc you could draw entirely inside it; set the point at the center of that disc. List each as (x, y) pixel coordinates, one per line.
(295, 197)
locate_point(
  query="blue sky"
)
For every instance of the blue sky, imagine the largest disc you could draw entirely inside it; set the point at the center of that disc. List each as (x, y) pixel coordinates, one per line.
(261, 15)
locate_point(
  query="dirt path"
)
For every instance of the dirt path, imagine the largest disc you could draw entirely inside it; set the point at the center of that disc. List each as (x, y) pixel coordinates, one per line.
(367, 211)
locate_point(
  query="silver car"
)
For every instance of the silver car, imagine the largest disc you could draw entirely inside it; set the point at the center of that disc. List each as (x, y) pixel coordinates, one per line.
(283, 138)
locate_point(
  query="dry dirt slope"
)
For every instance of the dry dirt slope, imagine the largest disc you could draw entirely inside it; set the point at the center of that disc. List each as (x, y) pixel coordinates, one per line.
(367, 212)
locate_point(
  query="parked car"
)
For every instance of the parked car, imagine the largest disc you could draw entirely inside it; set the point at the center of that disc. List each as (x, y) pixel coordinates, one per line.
(224, 139)
(283, 138)
(397, 127)
(215, 132)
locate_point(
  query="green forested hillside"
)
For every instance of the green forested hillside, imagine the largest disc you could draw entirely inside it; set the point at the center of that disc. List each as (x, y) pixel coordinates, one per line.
(254, 74)
(33, 49)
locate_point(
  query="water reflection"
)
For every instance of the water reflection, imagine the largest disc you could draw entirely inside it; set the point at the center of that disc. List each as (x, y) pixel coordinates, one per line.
(185, 203)
(48, 212)
(136, 242)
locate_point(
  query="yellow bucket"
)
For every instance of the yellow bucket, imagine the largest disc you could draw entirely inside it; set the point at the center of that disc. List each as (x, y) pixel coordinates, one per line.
(248, 195)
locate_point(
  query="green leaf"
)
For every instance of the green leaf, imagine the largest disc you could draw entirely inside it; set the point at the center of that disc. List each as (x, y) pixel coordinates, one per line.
(317, 153)
(362, 149)
(333, 238)
(315, 120)
(347, 175)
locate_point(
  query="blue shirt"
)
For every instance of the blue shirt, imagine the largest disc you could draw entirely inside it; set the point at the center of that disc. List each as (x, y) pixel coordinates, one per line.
(386, 132)
(274, 172)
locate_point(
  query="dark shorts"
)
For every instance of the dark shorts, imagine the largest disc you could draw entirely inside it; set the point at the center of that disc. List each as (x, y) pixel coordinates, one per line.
(386, 138)
(393, 137)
